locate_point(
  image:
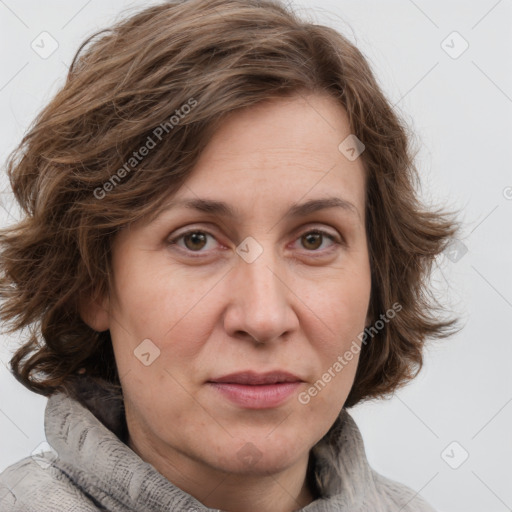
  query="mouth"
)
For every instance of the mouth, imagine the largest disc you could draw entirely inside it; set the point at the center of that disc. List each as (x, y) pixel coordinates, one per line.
(250, 378)
(251, 390)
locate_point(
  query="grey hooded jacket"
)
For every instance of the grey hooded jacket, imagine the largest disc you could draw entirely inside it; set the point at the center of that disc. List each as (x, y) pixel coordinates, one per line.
(92, 468)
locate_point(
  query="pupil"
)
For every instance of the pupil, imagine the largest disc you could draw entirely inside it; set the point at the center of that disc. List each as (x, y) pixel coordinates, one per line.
(312, 237)
(197, 238)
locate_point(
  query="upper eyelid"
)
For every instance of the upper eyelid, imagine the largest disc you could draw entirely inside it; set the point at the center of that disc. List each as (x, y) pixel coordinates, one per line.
(302, 229)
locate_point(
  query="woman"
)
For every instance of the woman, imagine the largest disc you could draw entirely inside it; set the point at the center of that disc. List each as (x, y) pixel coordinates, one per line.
(223, 251)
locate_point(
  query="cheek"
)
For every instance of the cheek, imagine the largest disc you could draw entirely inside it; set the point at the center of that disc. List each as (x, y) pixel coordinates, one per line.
(154, 297)
(325, 395)
(175, 314)
(341, 310)
(343, 303)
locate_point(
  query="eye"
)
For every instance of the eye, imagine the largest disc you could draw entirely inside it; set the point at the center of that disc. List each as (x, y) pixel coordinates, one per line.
(194, 240)
(313, 240)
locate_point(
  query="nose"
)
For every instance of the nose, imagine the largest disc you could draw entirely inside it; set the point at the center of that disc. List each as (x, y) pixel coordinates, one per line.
(261, 304)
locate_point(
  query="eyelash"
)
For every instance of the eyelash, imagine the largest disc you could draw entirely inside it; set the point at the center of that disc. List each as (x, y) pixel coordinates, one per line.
(197, 254)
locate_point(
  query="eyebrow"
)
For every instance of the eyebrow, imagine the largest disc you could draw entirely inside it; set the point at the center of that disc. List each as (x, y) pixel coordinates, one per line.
(222, 209)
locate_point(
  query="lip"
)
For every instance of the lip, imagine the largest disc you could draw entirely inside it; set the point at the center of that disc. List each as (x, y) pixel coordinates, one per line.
(251, 378)
(252, 390)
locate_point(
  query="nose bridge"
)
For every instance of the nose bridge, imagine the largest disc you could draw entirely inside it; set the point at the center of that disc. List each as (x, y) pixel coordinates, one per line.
(264, 286)
(262, 298)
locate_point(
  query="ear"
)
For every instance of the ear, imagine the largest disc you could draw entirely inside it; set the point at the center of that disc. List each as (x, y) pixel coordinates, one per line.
(94, 311)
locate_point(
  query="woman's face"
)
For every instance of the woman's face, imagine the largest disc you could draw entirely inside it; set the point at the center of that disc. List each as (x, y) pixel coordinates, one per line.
(198, 288)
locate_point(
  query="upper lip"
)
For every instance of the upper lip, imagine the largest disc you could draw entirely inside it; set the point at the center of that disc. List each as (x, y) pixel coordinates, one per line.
(251, 378)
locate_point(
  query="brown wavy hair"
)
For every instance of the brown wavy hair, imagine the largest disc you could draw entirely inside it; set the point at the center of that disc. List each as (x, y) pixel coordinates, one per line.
(131, 78)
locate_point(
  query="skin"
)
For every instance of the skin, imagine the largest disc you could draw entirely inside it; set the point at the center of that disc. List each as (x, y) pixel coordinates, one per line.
(304, 299)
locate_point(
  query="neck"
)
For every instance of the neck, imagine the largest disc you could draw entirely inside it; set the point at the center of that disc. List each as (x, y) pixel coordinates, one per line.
(281, 493)
(284, 491)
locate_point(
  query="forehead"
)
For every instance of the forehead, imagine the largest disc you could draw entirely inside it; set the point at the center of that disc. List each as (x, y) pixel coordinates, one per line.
(286, 144)
(297, 129)
(284, 151)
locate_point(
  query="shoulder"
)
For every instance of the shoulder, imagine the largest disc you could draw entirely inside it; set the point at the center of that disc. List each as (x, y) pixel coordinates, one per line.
(39, 486)
(399, 497)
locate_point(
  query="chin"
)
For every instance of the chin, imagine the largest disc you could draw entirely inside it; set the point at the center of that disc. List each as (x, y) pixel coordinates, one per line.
(259, 457)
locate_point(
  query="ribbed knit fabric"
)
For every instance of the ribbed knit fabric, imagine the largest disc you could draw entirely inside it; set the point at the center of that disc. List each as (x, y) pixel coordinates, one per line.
(96, 470)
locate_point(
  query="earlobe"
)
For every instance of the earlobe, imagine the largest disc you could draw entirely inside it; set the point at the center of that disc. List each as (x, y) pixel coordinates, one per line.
(94, 311)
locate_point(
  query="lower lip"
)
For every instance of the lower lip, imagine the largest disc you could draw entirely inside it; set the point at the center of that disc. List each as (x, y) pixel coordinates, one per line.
(256, 397)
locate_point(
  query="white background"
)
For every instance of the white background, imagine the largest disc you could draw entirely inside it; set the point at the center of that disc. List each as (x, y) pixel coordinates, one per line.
(460, 109)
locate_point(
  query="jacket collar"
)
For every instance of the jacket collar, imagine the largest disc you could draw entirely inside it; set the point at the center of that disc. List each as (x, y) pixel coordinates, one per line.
(88, 431)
